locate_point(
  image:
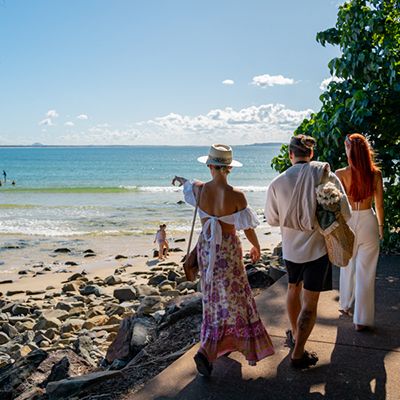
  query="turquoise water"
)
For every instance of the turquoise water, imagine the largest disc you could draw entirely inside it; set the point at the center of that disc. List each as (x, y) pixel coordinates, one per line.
(112, 190)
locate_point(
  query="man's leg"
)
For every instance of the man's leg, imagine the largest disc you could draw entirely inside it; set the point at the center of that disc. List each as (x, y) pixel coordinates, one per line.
(293, 304)
(306, 321)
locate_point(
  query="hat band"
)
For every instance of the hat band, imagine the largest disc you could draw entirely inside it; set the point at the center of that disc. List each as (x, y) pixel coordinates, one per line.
(217, 160)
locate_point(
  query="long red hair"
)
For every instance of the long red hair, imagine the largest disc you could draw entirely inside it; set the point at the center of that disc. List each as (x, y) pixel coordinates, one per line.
(363, 168)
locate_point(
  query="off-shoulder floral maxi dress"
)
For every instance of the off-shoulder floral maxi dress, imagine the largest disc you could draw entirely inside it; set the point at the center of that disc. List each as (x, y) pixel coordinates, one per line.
(230, 318)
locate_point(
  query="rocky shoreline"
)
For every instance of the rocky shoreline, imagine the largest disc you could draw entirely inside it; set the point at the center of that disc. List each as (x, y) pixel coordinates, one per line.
(100, 338)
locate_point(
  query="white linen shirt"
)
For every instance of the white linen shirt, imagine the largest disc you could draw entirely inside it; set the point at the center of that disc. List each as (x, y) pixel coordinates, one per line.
(297, 246)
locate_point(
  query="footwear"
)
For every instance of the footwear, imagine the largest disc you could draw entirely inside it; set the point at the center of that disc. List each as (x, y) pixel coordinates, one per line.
(360, 328)
(290, 342)
(307, 360)
(204, 367)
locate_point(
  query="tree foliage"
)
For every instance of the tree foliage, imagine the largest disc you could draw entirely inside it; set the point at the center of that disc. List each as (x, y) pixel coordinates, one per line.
(364, 97)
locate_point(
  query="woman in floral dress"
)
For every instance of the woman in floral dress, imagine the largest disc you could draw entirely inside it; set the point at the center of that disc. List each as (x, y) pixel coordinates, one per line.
(230, 318)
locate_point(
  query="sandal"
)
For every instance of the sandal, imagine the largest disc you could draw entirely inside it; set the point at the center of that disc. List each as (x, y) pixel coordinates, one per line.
(290, 342)
(204, 367)
(307, 360)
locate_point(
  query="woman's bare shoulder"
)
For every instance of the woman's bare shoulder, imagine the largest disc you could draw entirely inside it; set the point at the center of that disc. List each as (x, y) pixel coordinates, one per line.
(342, 171)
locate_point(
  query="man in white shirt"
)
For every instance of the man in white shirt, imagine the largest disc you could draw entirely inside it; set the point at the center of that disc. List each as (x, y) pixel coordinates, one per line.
(291, 204)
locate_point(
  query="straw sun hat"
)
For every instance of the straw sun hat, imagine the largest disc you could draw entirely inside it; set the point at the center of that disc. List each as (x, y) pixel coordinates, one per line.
(221, 155)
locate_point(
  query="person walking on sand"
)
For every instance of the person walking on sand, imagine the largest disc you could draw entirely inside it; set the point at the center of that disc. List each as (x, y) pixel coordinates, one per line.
(230, 318)
(362, 181)
(161, 239)
(5, 176)
(291, 204)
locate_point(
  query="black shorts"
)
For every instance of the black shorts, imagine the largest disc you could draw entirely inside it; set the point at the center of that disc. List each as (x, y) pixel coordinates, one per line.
(316, 275)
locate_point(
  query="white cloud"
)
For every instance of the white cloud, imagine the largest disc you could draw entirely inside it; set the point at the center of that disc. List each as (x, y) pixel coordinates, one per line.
(52, 114)
(69, 123)
(82, 117)
(228, 82)
(327, 81)
(271, 80)
(264, 123)
(48, 121)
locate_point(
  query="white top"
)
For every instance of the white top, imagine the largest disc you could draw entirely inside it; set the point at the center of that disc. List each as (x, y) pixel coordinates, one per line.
(297, 246)
(212, 231)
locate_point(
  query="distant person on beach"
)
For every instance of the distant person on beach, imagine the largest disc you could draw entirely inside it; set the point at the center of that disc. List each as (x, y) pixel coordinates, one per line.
(13, 183)
(230, 318)
(290, 204)
(161, 240)
(5, 176)
(362, 181)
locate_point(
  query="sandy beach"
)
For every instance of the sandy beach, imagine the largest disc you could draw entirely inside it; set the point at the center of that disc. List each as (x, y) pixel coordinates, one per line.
(33, 264)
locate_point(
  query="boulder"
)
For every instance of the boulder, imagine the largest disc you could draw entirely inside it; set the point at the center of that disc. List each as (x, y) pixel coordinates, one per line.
(59, 370)
(46, 323)
(84, 347)
(187, 285)
(125, 293)
(20, 309)
(120, 257)
(72, 325)
(71, 263)
(150, 304)
(92, 289)
(70, 287)
(146, 290)
(112, 280)
(259, 278)
(95, 321)
(173, 275)
(62, 250)
(4, 338)
(157, 279)
(62, 305)
(66, 388)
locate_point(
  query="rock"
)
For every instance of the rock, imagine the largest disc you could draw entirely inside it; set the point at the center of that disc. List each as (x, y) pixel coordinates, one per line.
(143, 332)
(118, 364)
(62, 250)
(84, 346)
(14, 292)
(180, 202)
(277, 251)
(88, 251)
(59, 371)
(71, 263)
(75, 277)
(20, 309)
(155, 280)
(173, 275)
(67, 387)
(72, 325)
(259, 278)
(4, 338)
(9, 330)
(24, 272)
(169, 264)
(6, 281)
(46, 323)
(95, 321)
(125, 293)
(112, 280)
(92, 289)
(13, 377)
(62, 305)
(120, 257)
(180, 240)
(187, 285)
(146, 290)
(89, 255)
(70, 287)
(150, 304)
(167, 285)
(34, 292)
(55, 313)
(175, 250)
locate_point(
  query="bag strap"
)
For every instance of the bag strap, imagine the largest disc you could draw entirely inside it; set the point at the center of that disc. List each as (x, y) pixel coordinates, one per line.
(193, 223)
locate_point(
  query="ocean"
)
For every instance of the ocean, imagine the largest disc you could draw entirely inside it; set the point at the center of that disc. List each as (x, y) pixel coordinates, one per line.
(75, 191)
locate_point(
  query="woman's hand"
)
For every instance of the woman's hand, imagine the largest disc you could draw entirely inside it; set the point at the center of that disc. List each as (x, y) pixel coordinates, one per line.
(381, 230)
(255, 254)
(178, 179)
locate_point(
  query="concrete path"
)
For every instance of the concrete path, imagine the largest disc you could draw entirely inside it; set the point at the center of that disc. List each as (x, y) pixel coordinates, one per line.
(351, 365)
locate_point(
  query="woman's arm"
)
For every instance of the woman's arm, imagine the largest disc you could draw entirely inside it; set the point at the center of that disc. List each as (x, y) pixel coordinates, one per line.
(255, 251)
(378, 198)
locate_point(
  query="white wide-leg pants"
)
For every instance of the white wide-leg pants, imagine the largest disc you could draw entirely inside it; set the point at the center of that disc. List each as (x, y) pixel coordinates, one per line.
(357, 280)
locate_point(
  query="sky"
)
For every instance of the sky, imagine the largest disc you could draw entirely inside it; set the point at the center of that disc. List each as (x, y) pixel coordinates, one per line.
(155, 72)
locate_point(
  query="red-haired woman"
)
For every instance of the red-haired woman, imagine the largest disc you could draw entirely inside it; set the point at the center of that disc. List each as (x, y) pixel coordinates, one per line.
(362, 181)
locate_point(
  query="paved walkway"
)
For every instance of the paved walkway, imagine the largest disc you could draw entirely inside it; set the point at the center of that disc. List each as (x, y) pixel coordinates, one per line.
(352, 365)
